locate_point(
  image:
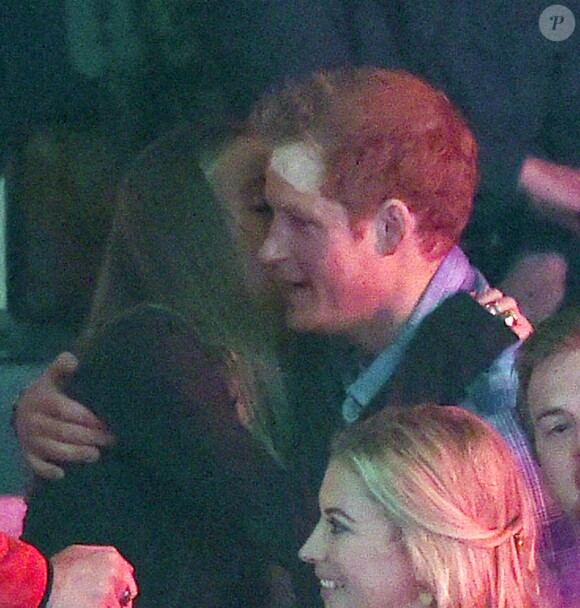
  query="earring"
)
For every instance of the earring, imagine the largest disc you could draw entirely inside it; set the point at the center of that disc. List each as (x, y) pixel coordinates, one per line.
(426, 598)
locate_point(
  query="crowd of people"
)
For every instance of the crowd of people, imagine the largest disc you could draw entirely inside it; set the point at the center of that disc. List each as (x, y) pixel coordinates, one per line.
(234, 332)
(156, 64)
(288, 314)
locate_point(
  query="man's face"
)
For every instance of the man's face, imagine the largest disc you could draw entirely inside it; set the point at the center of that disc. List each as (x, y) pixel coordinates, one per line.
(326, 273)
(554, 401)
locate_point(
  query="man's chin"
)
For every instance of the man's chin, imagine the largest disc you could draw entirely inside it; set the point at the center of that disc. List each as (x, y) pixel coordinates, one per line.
(297, 323)
(301, 320)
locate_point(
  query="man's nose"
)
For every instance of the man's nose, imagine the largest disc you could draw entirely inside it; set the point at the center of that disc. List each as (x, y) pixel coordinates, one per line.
(275, 246)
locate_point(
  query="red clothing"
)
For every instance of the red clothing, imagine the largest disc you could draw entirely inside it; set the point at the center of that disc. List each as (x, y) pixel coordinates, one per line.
(23, 574)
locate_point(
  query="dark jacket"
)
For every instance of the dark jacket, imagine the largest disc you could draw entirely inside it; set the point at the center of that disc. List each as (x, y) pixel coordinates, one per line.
(181, 491)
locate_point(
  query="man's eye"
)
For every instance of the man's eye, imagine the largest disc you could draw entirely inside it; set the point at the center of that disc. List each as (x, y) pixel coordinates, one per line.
(301, 222)
(560, 428)
(337, 527)
(261, 208)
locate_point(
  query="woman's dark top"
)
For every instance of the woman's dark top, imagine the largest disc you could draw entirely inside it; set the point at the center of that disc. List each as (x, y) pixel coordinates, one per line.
(185, 494)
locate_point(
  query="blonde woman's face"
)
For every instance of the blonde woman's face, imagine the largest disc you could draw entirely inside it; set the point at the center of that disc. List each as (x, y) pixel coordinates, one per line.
(554, 401)
(356, 551)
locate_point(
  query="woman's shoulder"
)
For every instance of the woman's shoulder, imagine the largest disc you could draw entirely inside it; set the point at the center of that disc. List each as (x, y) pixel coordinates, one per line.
(146, 325)
(149, 314)
(153, 344)
(145, 342)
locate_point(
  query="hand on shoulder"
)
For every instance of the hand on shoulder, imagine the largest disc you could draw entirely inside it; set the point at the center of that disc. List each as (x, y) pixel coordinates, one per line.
(52, 428)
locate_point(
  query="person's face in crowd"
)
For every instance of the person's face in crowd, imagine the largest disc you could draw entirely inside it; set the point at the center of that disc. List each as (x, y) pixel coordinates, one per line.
(326, 273)
(356, 551)
(238, 178)
(554, 401)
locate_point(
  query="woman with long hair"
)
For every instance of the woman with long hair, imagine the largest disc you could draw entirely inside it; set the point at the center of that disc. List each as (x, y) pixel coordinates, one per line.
(175, 360)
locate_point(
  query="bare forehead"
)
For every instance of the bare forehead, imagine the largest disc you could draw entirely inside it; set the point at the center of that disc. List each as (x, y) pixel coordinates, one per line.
(345, 490)
(555, 385)
(561, 366)
(300, 164)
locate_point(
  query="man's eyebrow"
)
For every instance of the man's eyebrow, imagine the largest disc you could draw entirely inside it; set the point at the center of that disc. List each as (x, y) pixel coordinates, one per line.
(337, 511)
(292, 208)
(554, 411)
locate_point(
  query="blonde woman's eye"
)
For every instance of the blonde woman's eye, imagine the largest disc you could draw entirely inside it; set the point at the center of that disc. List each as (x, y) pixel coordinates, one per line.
(337, 527)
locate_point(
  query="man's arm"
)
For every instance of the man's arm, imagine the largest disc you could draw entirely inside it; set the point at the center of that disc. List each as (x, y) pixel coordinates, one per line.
(553, 189)
(54, 429)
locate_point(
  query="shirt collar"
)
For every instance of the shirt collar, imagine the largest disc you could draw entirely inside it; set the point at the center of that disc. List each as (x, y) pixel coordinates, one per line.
(454, 274)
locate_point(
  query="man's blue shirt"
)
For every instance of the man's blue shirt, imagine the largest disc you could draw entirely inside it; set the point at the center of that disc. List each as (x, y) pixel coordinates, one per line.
(492, 395)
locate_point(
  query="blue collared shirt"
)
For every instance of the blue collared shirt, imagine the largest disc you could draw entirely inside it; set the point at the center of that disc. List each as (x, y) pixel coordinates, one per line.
(453, 275)
(492, 395)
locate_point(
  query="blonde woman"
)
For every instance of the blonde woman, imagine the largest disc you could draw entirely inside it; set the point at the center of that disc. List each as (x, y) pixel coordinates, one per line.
(425, 506)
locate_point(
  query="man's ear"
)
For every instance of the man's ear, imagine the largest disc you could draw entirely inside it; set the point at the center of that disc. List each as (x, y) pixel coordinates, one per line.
(391, 223)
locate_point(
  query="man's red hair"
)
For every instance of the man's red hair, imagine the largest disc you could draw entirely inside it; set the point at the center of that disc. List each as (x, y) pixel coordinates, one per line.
(383, 134)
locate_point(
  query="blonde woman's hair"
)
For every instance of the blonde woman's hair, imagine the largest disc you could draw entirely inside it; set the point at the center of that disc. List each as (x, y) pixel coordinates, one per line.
(452, 486)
